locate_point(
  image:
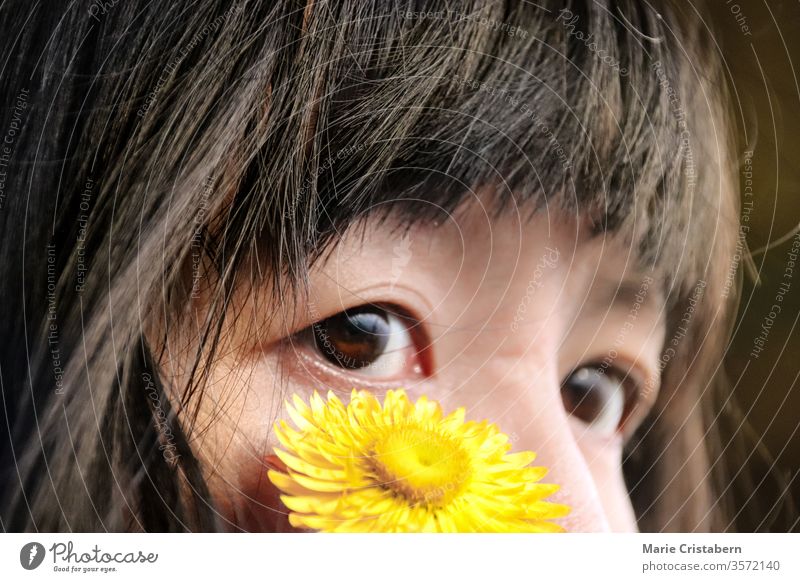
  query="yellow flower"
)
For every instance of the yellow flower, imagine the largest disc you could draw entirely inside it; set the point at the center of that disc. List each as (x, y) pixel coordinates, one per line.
(403, 467)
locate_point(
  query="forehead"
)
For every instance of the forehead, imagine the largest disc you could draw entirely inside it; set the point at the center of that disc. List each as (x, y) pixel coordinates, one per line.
(480, 252)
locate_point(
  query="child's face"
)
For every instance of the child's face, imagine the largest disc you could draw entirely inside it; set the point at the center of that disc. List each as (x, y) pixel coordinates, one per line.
(511, 320)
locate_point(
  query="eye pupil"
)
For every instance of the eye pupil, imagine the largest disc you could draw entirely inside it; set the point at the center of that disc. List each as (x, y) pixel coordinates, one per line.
(353, 339)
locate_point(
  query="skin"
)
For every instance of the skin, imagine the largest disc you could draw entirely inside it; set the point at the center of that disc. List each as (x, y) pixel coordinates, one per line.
(503, 311)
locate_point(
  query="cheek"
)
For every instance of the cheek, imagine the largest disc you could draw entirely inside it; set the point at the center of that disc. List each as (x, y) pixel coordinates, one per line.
(234, 441)
(256, 505)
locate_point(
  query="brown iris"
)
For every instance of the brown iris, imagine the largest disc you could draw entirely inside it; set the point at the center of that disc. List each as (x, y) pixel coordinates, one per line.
(354, 338)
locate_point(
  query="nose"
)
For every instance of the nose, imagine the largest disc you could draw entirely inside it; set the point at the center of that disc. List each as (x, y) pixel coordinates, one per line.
(521, 393)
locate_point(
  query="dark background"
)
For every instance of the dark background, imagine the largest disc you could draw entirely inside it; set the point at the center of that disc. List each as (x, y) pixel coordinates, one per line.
(764, 80)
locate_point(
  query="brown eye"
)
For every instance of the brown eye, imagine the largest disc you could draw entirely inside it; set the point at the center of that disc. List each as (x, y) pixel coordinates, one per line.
(597, 397)
(353, 339)
(368, 339)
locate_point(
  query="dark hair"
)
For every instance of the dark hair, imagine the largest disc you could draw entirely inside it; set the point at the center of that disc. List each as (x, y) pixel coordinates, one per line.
(238, 140)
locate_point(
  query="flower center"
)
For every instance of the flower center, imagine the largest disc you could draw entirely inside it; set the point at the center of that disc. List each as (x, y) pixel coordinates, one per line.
(420, 464)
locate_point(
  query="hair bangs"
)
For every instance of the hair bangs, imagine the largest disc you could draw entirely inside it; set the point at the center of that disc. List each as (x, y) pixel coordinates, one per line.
(424, 111)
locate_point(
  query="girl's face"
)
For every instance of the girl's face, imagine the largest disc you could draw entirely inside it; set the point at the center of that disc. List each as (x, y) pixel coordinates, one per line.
(532, 324)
